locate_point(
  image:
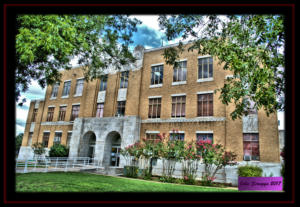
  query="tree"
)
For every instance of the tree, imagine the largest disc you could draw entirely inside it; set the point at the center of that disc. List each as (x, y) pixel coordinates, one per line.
(19, 139)
(46, 43)
(251, 46)
(38, 149)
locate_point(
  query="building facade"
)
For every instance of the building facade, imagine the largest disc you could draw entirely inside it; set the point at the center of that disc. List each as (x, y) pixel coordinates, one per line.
(99, 117)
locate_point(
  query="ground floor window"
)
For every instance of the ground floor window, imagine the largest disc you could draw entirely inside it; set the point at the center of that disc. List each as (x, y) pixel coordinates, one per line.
(251, 146)
(177, 136)
(204, 137)
(152, 136)
(57, 138)
(69, 138)
(46, 138)
(115, 155)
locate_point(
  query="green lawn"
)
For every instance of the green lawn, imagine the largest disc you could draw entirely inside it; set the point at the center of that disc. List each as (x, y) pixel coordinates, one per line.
(86, 182)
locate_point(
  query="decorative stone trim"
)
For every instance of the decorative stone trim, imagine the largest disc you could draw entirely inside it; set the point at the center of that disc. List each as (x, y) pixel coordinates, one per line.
(178, 83)
(31, 127)
(122, 93)
(179, 94)
(157, 64)
(198, 119)
(154, 97)
(205, 92)
(205, 80)
(204, 56)
(156, 86)
(204, 132)
(152, 132)
(56, 123)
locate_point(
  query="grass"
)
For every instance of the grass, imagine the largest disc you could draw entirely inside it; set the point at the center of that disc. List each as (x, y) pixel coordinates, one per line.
(86, 182)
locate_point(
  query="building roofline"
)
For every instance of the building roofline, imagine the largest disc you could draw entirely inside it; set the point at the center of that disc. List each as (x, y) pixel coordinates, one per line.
(167, 46)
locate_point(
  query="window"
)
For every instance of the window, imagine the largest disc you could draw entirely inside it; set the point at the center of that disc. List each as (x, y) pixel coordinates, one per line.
(54, 90)
(205, 68)
(57, 138)
(152, 136)
(66, 89)
(251, 146)
(29, 139)
(205, 104)
(177, 136)
(79, 87)
(157, 74)
(50, 114)
(154, 107)
(204, 137)
(34, 115)
(179, 72)
(69, 136)
(124, 79)
(46, 138)
(121, 108)
(178, 106)
(103, 83)
(100, 109)
(62, 113)
(75, 112)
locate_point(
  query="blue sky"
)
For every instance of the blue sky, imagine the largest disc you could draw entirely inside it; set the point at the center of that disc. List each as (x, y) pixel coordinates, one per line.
(148, 35)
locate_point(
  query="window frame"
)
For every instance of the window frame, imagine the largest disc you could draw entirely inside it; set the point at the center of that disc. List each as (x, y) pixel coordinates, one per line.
(251, 140)
(57, 137)
(172, 138)
(182, 70)
(121, 107)
(207, 133)
(103, 83)
(209, 62)
(157, 104)
(79, 85)
(72, 114)
(157, 68)
(62, 113)
(124, 79)
(46, 138)
(34, 115)
(55, 88)
(50, 114)
(29, 139)
(100, 110)
(66, 87)
(178, 104)
(209, 108)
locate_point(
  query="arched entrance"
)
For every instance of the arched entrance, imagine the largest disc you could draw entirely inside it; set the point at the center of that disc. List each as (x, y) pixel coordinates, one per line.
(87, 145)
(112, 149)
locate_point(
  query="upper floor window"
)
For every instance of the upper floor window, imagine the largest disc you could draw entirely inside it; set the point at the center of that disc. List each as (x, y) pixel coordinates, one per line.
(205, 104)
(62, 113)
(178, 106)
(34, 114)
(124, 79)
(50, 114)
(154, 108)
(46, 138)
(79, 87)
(179, 72)
(100, 110)
(251, 146)
(205, 68)
(121, 108)
(157, 74)
(103, 83)
(75, 112)
(177, 136)
(54, 90)
(66, 89)
(57, 138)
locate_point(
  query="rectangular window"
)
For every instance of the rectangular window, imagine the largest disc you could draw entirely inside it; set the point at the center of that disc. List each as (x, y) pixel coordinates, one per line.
(176, 136)
(124, 79)
(152, 136)
(103, 83)
(46, 138)
(54, 90)
(251, 146)
(121, 108)
(205, 68)
(62, 113)
(179, 72)
(154, 108)
(205, 104)
(50, 114)
(157, 74)
(75, 112)
(79, 87)
(34, 115)
(100, 109)
(204, 137)
(29, 139)
(66, 89)
(57, 138)
(178, 106)
(69, 136)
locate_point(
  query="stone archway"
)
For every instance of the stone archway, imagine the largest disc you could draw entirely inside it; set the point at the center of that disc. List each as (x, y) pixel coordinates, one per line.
(112, 149)
(87, 145)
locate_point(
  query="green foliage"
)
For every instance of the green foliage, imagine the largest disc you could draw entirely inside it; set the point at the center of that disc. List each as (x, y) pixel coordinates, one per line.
(251, 46)
(38, 148)
(47, 43)
(19, 139)
(250, 171)
(130, 171)
(59, 150)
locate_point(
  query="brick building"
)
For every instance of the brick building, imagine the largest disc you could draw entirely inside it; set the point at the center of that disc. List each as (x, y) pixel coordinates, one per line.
(99, 117)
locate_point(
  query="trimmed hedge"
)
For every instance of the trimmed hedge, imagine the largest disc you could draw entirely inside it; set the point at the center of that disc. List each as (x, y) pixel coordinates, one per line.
(59, 150)
(250, 171)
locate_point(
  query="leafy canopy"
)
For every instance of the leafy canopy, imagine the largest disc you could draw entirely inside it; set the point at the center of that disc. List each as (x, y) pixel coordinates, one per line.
(46, 43)
(251, 46)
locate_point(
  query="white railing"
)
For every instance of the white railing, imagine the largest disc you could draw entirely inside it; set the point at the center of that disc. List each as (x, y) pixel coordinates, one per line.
(56, 164)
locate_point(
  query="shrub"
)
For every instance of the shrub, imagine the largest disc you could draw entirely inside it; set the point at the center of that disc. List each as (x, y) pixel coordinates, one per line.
(250, 171)
(59, 150)
(38, 149)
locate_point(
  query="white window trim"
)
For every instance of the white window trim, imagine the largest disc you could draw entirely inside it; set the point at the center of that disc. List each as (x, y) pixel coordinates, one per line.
(152, 132)
(228, 76)
(65, 97)
(179, 132)
(178, 83)
(53, 98)
(205, 92)
(51, 106)
(77, 95)
(181, 60)
(70, 131)
(68, 80)
(46, 131)
(150, 97)
(58, 131)
(157, 64)
(156, 85)
(204, 56)
(205, 80)
(204, 132)
(80, 78)
(75, 104)
(63, 105)
(179, 94)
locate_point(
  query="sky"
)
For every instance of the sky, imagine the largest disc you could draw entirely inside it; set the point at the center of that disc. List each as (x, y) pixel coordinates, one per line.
(148, 35)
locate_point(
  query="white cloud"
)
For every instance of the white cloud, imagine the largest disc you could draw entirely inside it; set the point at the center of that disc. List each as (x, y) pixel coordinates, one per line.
(149, 20)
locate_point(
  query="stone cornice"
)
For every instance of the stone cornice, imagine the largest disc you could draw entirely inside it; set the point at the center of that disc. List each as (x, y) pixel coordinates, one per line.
(179, 120)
